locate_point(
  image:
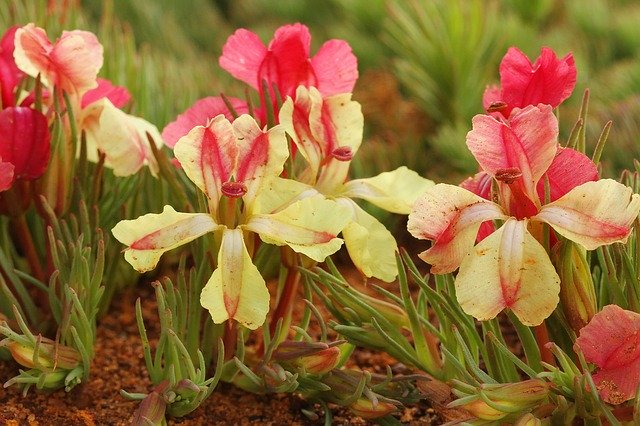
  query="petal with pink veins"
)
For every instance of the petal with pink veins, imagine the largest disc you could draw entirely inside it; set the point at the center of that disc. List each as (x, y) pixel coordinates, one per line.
(236, 290)
(480, 184)
(208, 156)
(528, 142)
(508, 269)
(611, 341)
(569, 168)
(25, 141)
(450, 217)
(309, 226)
(594, 213)
(335, 67)
(242, 56)
(71, 63)
(199, 114)
(149, 236)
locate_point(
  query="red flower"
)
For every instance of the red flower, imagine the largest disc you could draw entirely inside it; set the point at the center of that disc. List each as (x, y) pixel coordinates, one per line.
(611, 341)
(24, 145)
(286, 63)
(10, 75)
(548, 80)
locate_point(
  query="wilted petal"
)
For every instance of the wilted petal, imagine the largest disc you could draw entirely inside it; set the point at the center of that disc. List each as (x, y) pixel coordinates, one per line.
(309, 226)
(117, 95)
(72, 63)
(236, 290)
(611, 341)
(6, 175)
(149, 236)
(570, 168)
(122, 138)
(594, 213)
(508, 269)
(371, 246)
(450, 217)
(548, 80)
(335, 67)
(260, 153)
(208, 155)
(199, 114)
(394, 191)
(528, 143)
(24, 141)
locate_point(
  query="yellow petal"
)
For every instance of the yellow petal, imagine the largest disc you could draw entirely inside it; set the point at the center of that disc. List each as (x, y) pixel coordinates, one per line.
(508, 269)
(394, 191)
(371, 246)
(594, 213)
(149, 236)
(277, 193)
(309, 226)
(236, 290)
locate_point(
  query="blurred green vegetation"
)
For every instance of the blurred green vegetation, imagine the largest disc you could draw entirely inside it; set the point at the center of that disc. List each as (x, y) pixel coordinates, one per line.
(423, 64)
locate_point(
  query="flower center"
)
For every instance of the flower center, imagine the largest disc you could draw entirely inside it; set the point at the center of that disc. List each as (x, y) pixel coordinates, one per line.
(234, 189)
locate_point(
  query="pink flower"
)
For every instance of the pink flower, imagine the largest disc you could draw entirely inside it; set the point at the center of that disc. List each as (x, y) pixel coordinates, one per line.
(10, 75)
(611, 341)
(548, 80)
(510, 268)
(71, 63)
(118, 95)
(286, 63)
(199, 114)
(24, 145)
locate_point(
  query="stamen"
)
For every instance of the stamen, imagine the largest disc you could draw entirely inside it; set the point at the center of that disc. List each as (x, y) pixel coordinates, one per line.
(497, 106)
(508, 175)
(234, 189)
(342, 153)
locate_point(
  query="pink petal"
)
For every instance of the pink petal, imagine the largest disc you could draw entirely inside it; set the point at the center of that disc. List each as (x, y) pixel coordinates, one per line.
(548, 81)
(527, 142)
(335, 67)
(6, 175)
(208, 156)
(199, 114)
(508, 269)
(118, 95)
(611, 341)
(450, 217)
(480, 184)
(242, 56)
(24, 141)
(10, 74)
(569, 169)
(594, 213)
(491, 95)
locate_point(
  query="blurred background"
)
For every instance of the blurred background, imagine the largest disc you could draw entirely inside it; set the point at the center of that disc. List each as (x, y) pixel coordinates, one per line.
(424, 64)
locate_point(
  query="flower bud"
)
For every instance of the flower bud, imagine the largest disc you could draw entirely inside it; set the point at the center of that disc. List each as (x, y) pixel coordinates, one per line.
(528, 420)
(320, 362)
(151, 410)
(367, 410)
(577, 292)
(187, 389)
(50, 354)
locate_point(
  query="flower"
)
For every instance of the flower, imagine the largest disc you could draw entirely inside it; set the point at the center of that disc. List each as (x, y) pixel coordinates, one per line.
(24, 145)
(234, 165)
(510, 268)
(328, 132)
(611, 341)
(285, 63)
(71, 63)
(10, 74)
(548, 80)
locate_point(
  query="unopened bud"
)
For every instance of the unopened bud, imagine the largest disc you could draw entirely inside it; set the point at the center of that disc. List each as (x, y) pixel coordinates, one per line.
(187, 389)
(368, 410)
(151, 410)
(233, 189)
(577, 291)
(321, 362)
(50, 354)
(528, 420)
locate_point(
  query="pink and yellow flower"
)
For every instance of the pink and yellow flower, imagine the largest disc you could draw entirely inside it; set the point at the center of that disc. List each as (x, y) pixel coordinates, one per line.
(236, 165)
(548, 80)
(611, 341)
(510, 268)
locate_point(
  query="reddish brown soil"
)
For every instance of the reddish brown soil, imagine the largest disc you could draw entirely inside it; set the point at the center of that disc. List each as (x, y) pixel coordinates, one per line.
(119, 364)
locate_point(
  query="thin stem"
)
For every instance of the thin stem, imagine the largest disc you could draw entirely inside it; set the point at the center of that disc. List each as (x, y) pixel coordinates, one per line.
(542, 337)
(285, 302)
(27, 245)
